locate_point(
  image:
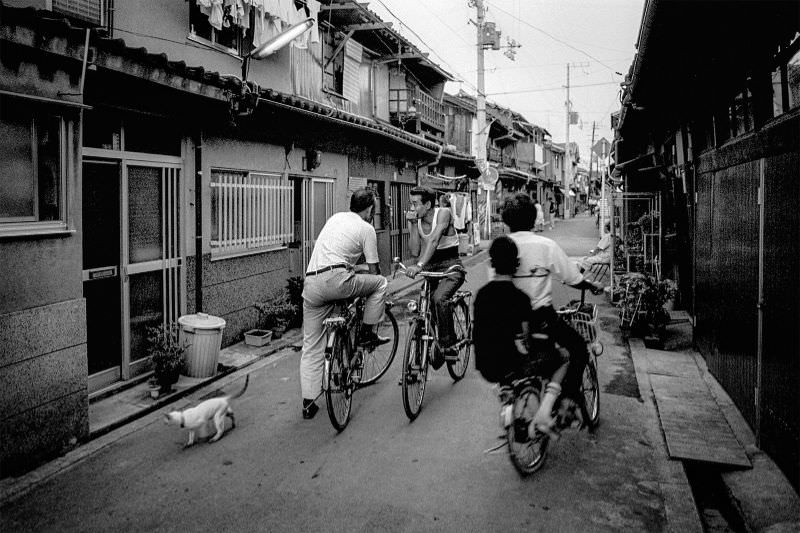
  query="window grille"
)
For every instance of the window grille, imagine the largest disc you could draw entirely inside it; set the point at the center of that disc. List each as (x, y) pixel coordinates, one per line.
(88, 10)
(250, 211)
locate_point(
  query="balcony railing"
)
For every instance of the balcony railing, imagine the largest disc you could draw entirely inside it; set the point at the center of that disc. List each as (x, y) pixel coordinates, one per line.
(429, 111)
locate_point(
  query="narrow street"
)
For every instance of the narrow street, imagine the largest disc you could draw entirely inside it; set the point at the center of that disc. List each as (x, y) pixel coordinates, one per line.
(278, 472)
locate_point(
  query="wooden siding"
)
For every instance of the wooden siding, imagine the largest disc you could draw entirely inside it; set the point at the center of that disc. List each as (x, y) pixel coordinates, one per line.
(780, 396)
(726, 234)
(728, 280)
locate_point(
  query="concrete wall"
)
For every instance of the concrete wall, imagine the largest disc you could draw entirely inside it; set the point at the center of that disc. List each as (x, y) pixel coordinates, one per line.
(162, 26)
(43, 366)
(231, 286)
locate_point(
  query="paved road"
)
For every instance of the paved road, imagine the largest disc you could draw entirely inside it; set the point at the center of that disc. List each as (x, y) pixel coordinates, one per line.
(277, 472)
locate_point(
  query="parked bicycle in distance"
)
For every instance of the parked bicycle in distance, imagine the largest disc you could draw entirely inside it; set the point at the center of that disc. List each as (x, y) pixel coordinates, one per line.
(521, 397)
(348, 365)
(422, 339)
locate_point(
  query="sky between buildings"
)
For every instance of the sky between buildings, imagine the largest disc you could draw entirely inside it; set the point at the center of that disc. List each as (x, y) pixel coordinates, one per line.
(597, 37)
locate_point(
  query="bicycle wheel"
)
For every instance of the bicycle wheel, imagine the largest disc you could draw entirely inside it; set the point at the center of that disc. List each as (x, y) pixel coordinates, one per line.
(415, 371)
(527, 447)
(339, 388)
(378, 360)
(462, 326)
(591, 394)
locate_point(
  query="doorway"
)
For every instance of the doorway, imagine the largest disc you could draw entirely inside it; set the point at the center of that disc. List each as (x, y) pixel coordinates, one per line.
(313, 205)
(133, 261)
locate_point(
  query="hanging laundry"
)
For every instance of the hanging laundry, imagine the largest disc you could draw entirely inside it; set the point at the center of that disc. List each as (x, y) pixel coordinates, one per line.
(216, 17)
(313, 12)
(460, 211)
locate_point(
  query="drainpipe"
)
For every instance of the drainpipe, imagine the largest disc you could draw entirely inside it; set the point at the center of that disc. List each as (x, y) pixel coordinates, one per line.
(197, 140)
(434, 162)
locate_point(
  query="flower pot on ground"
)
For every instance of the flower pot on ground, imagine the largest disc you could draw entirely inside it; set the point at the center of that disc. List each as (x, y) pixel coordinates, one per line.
(279, 329)
(166, 355)
(257, 337)
(277, 311)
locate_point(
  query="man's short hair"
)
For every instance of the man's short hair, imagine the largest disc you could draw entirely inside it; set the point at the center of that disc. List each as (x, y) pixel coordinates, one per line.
(519, 213)
(362, 199)
(426, 194)
(503, 253)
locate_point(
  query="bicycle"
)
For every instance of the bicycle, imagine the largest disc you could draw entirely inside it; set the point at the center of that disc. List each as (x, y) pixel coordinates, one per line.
(521, 397)
(422, 335)
(349, 366)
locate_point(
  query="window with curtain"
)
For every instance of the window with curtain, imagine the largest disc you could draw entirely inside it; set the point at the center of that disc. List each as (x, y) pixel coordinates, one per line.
(32, 174)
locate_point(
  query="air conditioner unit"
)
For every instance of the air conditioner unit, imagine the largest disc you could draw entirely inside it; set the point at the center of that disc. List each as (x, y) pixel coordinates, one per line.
(92, 11)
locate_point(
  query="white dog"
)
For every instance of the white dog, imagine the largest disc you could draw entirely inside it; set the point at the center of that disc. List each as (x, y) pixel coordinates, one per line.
(198, 417)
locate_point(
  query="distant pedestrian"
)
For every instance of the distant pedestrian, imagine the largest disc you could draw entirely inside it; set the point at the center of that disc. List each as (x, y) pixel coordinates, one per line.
(552, 209)
(539, 217)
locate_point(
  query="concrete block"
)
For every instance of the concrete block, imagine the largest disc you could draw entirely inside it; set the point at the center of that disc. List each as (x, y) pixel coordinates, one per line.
(39, 380)
(39, 330)
(34, 436)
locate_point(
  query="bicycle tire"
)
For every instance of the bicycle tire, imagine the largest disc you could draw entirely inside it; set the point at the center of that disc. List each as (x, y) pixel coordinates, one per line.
(527, 452)
(339, 387)
(377, 362)
(590, 387)
(413, 379)
(462, 325)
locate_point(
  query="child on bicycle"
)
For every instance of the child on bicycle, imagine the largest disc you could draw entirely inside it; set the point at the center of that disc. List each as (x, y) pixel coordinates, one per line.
(502, 316)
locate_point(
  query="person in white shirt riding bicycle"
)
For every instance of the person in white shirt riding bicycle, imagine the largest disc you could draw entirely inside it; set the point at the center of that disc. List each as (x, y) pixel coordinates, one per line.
(541, 258)
(434, 242)
(330, 277)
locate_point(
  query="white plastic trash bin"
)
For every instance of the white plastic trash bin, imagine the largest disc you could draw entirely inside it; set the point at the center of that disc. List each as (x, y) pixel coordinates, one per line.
(203, 334)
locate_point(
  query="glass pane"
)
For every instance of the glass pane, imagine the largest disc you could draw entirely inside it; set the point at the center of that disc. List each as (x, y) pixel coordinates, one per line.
(103, 342)
(146, 305)
(100, 214)
(152, 136)
(320, 207)
(793, 75)
(49, 151)
(101, 130)
(777, 99)
(144, 216)
(17, 189)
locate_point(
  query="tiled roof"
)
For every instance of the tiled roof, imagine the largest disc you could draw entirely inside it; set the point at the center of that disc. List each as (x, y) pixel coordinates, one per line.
(52, 24)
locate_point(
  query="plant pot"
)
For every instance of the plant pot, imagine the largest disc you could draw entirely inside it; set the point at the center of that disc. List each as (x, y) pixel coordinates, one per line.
(257, 337)
(167, 380)
(278, 331)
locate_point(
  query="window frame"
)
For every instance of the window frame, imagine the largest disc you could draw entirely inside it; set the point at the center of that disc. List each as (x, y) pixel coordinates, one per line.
(30, 225)
(226, 251)
(241, 37)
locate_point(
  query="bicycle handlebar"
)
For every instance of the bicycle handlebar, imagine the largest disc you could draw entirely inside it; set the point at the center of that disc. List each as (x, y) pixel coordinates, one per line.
(428, 274)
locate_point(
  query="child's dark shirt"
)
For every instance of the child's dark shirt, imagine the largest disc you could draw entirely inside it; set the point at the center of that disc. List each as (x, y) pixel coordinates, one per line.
(500, 308)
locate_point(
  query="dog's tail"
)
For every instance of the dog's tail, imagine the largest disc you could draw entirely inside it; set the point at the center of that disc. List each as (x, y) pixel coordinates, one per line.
(246, 381)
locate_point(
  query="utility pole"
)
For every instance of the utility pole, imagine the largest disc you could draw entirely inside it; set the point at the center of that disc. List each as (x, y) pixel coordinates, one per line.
(481, 111)
(567, 154)
(567, 147)
(589, 188)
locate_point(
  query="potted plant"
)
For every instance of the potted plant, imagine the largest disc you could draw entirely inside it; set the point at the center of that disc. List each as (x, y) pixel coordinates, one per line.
(277, 313)
(642, 301)
(166, 355)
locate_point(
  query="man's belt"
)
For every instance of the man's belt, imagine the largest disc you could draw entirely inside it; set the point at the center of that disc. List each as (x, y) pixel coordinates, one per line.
(325, 269)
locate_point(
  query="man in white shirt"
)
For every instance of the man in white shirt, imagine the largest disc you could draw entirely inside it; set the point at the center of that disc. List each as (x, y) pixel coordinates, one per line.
(330, 277)
(601, 254)
(539, 259)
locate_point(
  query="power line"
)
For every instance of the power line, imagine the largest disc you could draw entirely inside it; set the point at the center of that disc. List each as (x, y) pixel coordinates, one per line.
(542, 89)
(443, 60)
(587, 54)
